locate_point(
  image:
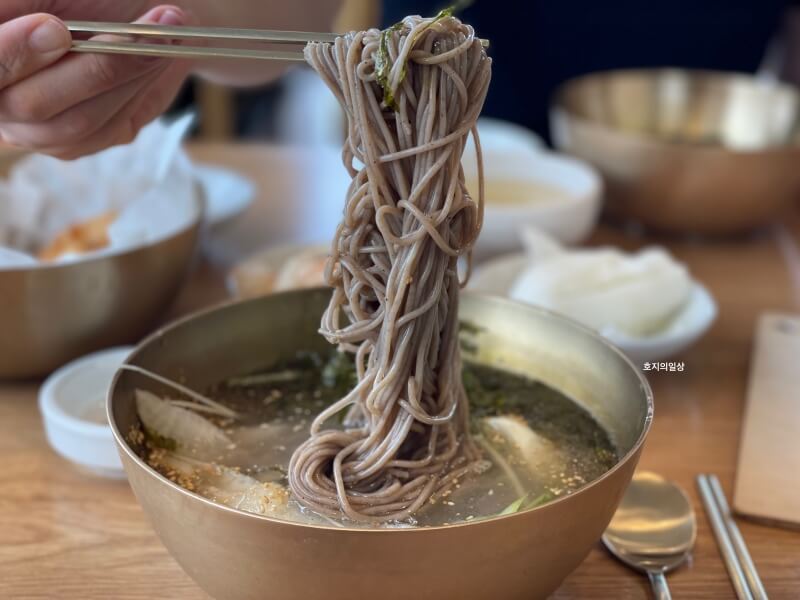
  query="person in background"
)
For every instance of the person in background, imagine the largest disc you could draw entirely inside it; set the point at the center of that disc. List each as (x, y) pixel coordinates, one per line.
(70, 105)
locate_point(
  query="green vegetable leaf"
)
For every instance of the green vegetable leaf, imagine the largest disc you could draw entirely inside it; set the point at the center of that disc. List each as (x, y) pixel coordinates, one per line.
(467, 327)
(339, 373)
(383, 64)
(263, 378)
(513, 507)
(159, 441)
(542, 498)
(524, 504)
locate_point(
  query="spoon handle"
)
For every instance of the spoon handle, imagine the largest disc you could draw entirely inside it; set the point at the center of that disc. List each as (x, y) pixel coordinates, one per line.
(660, 587)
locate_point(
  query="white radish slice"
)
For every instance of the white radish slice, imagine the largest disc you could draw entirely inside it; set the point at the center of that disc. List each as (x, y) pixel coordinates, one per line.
(212, 406)
(229, 487)
(242, 492)
(234, 489)
(638, 294)
(192, 434)
(520, 442)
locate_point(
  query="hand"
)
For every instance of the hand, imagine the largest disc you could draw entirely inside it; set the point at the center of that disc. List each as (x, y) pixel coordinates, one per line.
(70, 105)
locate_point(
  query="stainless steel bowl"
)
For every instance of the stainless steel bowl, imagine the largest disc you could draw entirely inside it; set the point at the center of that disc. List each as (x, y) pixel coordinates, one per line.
(50, 314)
(685, 151)
(236, 555)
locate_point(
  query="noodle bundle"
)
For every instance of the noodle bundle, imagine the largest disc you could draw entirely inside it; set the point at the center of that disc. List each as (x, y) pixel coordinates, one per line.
(412, 95)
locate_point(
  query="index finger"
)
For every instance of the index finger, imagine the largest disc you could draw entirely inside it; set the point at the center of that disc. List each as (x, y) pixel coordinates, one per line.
(29, 44)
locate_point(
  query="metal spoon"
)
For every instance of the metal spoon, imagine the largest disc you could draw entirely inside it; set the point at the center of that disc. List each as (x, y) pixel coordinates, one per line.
(653, 530)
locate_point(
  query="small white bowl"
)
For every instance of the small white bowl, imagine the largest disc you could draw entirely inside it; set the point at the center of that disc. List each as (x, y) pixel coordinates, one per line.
(498, 275)
(684, 329)
(73, 406)
(500, 135)
(568, 218)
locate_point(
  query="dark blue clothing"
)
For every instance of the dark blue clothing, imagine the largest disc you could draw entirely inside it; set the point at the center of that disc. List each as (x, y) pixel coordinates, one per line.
(538, 44)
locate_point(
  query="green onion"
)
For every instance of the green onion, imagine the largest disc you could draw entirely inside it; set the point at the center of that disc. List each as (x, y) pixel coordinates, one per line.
(159, 441)
(514, 506)
(263, 378)
(521, 504)
(543, 498)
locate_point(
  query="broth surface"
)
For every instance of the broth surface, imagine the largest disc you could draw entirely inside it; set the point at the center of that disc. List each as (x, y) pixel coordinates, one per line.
(537, 443)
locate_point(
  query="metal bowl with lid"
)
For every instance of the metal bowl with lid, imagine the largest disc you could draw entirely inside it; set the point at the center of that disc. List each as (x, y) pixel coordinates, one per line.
(237, 555)
(685, 151)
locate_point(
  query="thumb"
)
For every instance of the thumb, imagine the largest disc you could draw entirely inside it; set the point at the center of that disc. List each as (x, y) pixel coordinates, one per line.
(29, 44)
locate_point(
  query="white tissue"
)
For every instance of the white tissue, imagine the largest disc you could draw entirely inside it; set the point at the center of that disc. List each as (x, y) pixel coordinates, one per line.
(11, 258)
(606, 289)
(150, 183)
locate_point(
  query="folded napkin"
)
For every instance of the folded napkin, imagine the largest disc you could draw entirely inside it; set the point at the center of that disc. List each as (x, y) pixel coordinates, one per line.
(149, 185)
(12, 258)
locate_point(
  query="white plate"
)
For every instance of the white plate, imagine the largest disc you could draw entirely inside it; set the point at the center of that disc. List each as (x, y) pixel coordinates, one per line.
(68, 398)
(498, 275)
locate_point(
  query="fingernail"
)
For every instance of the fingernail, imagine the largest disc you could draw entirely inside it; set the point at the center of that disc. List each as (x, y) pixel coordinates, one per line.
(171, 17)
(49, 37)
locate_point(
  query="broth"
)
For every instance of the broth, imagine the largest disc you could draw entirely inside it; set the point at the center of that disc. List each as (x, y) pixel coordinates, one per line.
(538, 444)
(517, 192)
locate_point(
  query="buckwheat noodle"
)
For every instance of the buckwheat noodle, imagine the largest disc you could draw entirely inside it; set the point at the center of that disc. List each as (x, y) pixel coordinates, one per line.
(394, 270)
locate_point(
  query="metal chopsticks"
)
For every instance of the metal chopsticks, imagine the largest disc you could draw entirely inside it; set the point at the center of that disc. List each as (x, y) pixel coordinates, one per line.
(731, 544)
(182, 51)
(205, 33)
(167, 32)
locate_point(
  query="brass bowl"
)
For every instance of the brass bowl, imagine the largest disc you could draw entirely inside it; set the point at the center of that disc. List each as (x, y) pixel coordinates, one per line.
(50, 314)
(236, 555)
(685, 151)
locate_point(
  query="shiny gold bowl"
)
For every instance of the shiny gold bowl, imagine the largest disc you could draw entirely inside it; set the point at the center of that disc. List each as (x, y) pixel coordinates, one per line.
(236, 555)
(50, 314)
(685, 151)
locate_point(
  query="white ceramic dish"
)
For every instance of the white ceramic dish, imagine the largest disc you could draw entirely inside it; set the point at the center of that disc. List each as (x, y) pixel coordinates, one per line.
(72, 403)
(227, 193)
(569, 218)
(498, 275)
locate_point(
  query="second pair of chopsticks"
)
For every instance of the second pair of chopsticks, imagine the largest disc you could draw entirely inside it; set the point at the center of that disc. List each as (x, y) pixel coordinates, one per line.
(167, 32)
(734, 551)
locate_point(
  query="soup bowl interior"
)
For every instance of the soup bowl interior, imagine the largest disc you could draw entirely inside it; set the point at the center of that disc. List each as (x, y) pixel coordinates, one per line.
(237, 555)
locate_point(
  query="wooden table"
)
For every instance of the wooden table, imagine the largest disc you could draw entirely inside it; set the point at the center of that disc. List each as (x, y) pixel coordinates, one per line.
(65, 534)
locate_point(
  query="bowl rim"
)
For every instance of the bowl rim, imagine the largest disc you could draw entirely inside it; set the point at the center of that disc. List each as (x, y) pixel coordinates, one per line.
(138, 462)
(92, 258)
(54, 412)
(558, 105)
